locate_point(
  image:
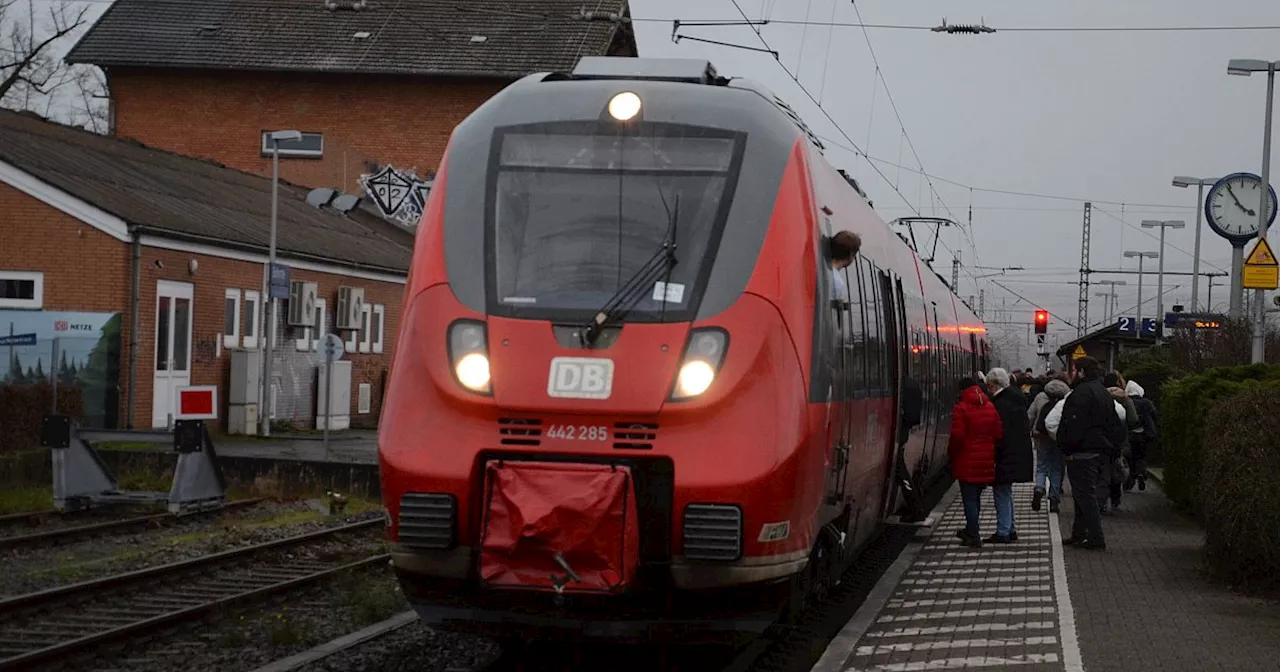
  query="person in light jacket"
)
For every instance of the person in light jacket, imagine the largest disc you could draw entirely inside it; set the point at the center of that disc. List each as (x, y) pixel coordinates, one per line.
(1049, 466)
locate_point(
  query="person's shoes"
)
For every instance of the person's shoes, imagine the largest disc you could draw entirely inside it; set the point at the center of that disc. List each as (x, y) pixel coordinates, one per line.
(1142, 483)
(1092, 545)
(1053, 505)
(964, 534)
(971, 542)
(1073, 541)
(1035, 499)
(999, 539)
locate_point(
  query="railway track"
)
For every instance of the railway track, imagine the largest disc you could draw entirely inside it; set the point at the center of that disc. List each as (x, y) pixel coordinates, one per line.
(52, 625)
(81, 532)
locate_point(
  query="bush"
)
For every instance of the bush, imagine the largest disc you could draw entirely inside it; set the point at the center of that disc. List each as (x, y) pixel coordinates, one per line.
(1240, 488)
(1183, 414)
(22, 410)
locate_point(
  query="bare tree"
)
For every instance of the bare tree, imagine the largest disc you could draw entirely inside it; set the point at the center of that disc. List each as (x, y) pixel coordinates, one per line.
(33, 75)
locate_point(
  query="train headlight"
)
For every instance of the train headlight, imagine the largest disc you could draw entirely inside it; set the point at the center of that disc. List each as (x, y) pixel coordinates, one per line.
(701, 362)
(694, 379)
(469, 355)
(624, 106)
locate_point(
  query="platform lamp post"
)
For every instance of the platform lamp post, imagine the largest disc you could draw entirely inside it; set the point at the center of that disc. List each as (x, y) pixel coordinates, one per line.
(267, 332)
(1163, 226)
(1200, 182)
(1141, 256)
(1114, 299)
(1245, 67)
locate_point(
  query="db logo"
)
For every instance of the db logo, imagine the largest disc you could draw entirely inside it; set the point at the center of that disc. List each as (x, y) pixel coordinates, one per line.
(61, 325)
(580, 378)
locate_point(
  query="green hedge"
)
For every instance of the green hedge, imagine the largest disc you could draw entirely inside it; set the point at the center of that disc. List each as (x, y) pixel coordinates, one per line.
(1183, 415)
(1240, 487)
(22, 410)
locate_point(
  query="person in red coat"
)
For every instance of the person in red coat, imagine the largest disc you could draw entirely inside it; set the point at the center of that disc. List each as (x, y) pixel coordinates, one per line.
(975, 430)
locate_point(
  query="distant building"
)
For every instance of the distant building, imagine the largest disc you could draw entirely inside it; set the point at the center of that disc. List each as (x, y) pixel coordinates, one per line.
(375, 87)
(148, 267)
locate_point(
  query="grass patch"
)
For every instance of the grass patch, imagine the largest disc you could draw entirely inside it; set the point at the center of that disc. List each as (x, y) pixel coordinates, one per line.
(25, 498)
(283, 519)
(146, 481)
(146, 446)
(370, 597)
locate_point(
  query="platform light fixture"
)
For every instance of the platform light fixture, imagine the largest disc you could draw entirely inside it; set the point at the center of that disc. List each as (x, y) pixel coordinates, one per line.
(624, 106)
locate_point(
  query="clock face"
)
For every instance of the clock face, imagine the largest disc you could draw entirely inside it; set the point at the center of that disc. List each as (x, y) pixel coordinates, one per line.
(1233, 203)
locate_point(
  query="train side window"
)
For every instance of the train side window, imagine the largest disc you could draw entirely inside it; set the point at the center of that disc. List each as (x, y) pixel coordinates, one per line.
(873, 333)
(879, 375)
(855, 336)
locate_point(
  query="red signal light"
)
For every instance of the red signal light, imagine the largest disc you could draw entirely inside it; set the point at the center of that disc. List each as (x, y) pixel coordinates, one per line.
(1042, 321)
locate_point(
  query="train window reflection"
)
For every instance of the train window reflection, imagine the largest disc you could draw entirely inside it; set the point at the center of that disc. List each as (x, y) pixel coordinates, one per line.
(575, 215)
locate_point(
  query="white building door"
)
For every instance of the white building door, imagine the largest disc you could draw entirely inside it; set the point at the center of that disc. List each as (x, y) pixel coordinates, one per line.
(173, 348)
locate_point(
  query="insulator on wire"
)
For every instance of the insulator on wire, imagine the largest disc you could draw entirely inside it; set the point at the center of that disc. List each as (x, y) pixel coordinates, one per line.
(970, 29)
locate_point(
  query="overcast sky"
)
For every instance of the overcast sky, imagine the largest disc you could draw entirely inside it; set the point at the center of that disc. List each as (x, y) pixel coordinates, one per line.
(1106, 116)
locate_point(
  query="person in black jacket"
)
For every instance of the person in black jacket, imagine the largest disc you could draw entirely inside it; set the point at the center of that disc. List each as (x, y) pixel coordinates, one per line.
(1090, 435)
(1014, 461)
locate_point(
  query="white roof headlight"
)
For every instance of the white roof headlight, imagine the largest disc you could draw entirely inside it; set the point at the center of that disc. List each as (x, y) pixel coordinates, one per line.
(624, 106)
(695, 377)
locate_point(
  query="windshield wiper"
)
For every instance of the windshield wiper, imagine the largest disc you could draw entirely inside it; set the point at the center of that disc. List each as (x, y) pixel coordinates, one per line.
(635, 288)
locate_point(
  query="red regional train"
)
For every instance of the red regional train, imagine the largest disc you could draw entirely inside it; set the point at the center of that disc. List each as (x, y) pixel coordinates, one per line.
(625, 401)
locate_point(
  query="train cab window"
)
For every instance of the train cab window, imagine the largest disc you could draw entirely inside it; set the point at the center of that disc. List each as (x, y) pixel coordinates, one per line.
(578, 210)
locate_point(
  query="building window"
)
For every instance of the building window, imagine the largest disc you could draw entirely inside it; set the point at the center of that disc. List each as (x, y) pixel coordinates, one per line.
(366, 317)
(231, 321)
(378, 325)
(252, 319)
(311, 146)
(21, 289)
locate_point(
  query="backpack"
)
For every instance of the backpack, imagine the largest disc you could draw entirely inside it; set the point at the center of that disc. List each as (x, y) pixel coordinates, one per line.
(1041, 430)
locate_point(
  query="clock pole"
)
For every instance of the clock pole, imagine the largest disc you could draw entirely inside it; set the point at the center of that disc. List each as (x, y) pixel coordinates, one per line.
(1237, 279)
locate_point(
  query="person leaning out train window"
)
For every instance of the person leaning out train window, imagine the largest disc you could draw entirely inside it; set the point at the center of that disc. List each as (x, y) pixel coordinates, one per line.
(843, 247)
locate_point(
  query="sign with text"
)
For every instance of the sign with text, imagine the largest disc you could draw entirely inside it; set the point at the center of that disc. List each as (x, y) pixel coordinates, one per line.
(279, 283)
(18, 339)
(1261, 270)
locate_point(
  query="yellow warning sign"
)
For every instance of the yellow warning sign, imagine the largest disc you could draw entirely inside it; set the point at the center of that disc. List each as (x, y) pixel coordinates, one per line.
(1261, 255)
(1079, 352)
(1260, 277)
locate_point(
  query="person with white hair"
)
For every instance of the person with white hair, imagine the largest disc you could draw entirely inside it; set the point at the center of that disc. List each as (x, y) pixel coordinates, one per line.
(1014, 460)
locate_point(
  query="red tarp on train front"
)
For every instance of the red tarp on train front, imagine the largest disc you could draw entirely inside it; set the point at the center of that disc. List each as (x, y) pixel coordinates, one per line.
(536, 510)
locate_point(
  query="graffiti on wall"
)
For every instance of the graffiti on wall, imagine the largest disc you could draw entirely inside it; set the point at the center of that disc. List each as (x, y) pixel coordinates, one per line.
(400, 194)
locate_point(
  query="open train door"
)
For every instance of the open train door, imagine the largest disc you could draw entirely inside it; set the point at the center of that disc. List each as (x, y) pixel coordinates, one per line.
(902, 496)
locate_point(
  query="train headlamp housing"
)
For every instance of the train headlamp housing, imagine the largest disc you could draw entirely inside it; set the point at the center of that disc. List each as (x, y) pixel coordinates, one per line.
(469, 355)
(700, 364)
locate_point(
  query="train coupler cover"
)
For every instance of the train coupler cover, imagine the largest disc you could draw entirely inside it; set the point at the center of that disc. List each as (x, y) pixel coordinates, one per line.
(559, 527)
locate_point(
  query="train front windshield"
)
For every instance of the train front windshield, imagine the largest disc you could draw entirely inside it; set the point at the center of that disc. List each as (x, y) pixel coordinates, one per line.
(576, 211)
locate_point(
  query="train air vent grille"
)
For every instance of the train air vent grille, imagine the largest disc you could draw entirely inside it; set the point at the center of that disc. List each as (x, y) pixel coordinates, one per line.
(520, 431)
(712, 532)
(634, 435)
(427, 520)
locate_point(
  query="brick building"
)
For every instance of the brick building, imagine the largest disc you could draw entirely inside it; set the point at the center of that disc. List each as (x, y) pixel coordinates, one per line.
(375, 87)
(160, 259)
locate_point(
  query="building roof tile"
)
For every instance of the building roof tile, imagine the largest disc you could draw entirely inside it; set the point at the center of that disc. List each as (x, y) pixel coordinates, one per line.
(478, 38)
(172, 195)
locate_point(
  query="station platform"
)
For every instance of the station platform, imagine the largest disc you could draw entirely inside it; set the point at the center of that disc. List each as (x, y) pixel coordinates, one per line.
(1034, 605)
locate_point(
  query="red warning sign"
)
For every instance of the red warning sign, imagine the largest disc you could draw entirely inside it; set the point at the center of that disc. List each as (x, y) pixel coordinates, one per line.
(197, 402)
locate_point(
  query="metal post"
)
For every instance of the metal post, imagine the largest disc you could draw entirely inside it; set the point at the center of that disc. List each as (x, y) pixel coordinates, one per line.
(1083, 318)
(1237, 279)
(1159, 290)
(328, 401)
(1260, 296)
(267, 331)
(53, 375)
(1195, 262)
(1140, 260)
